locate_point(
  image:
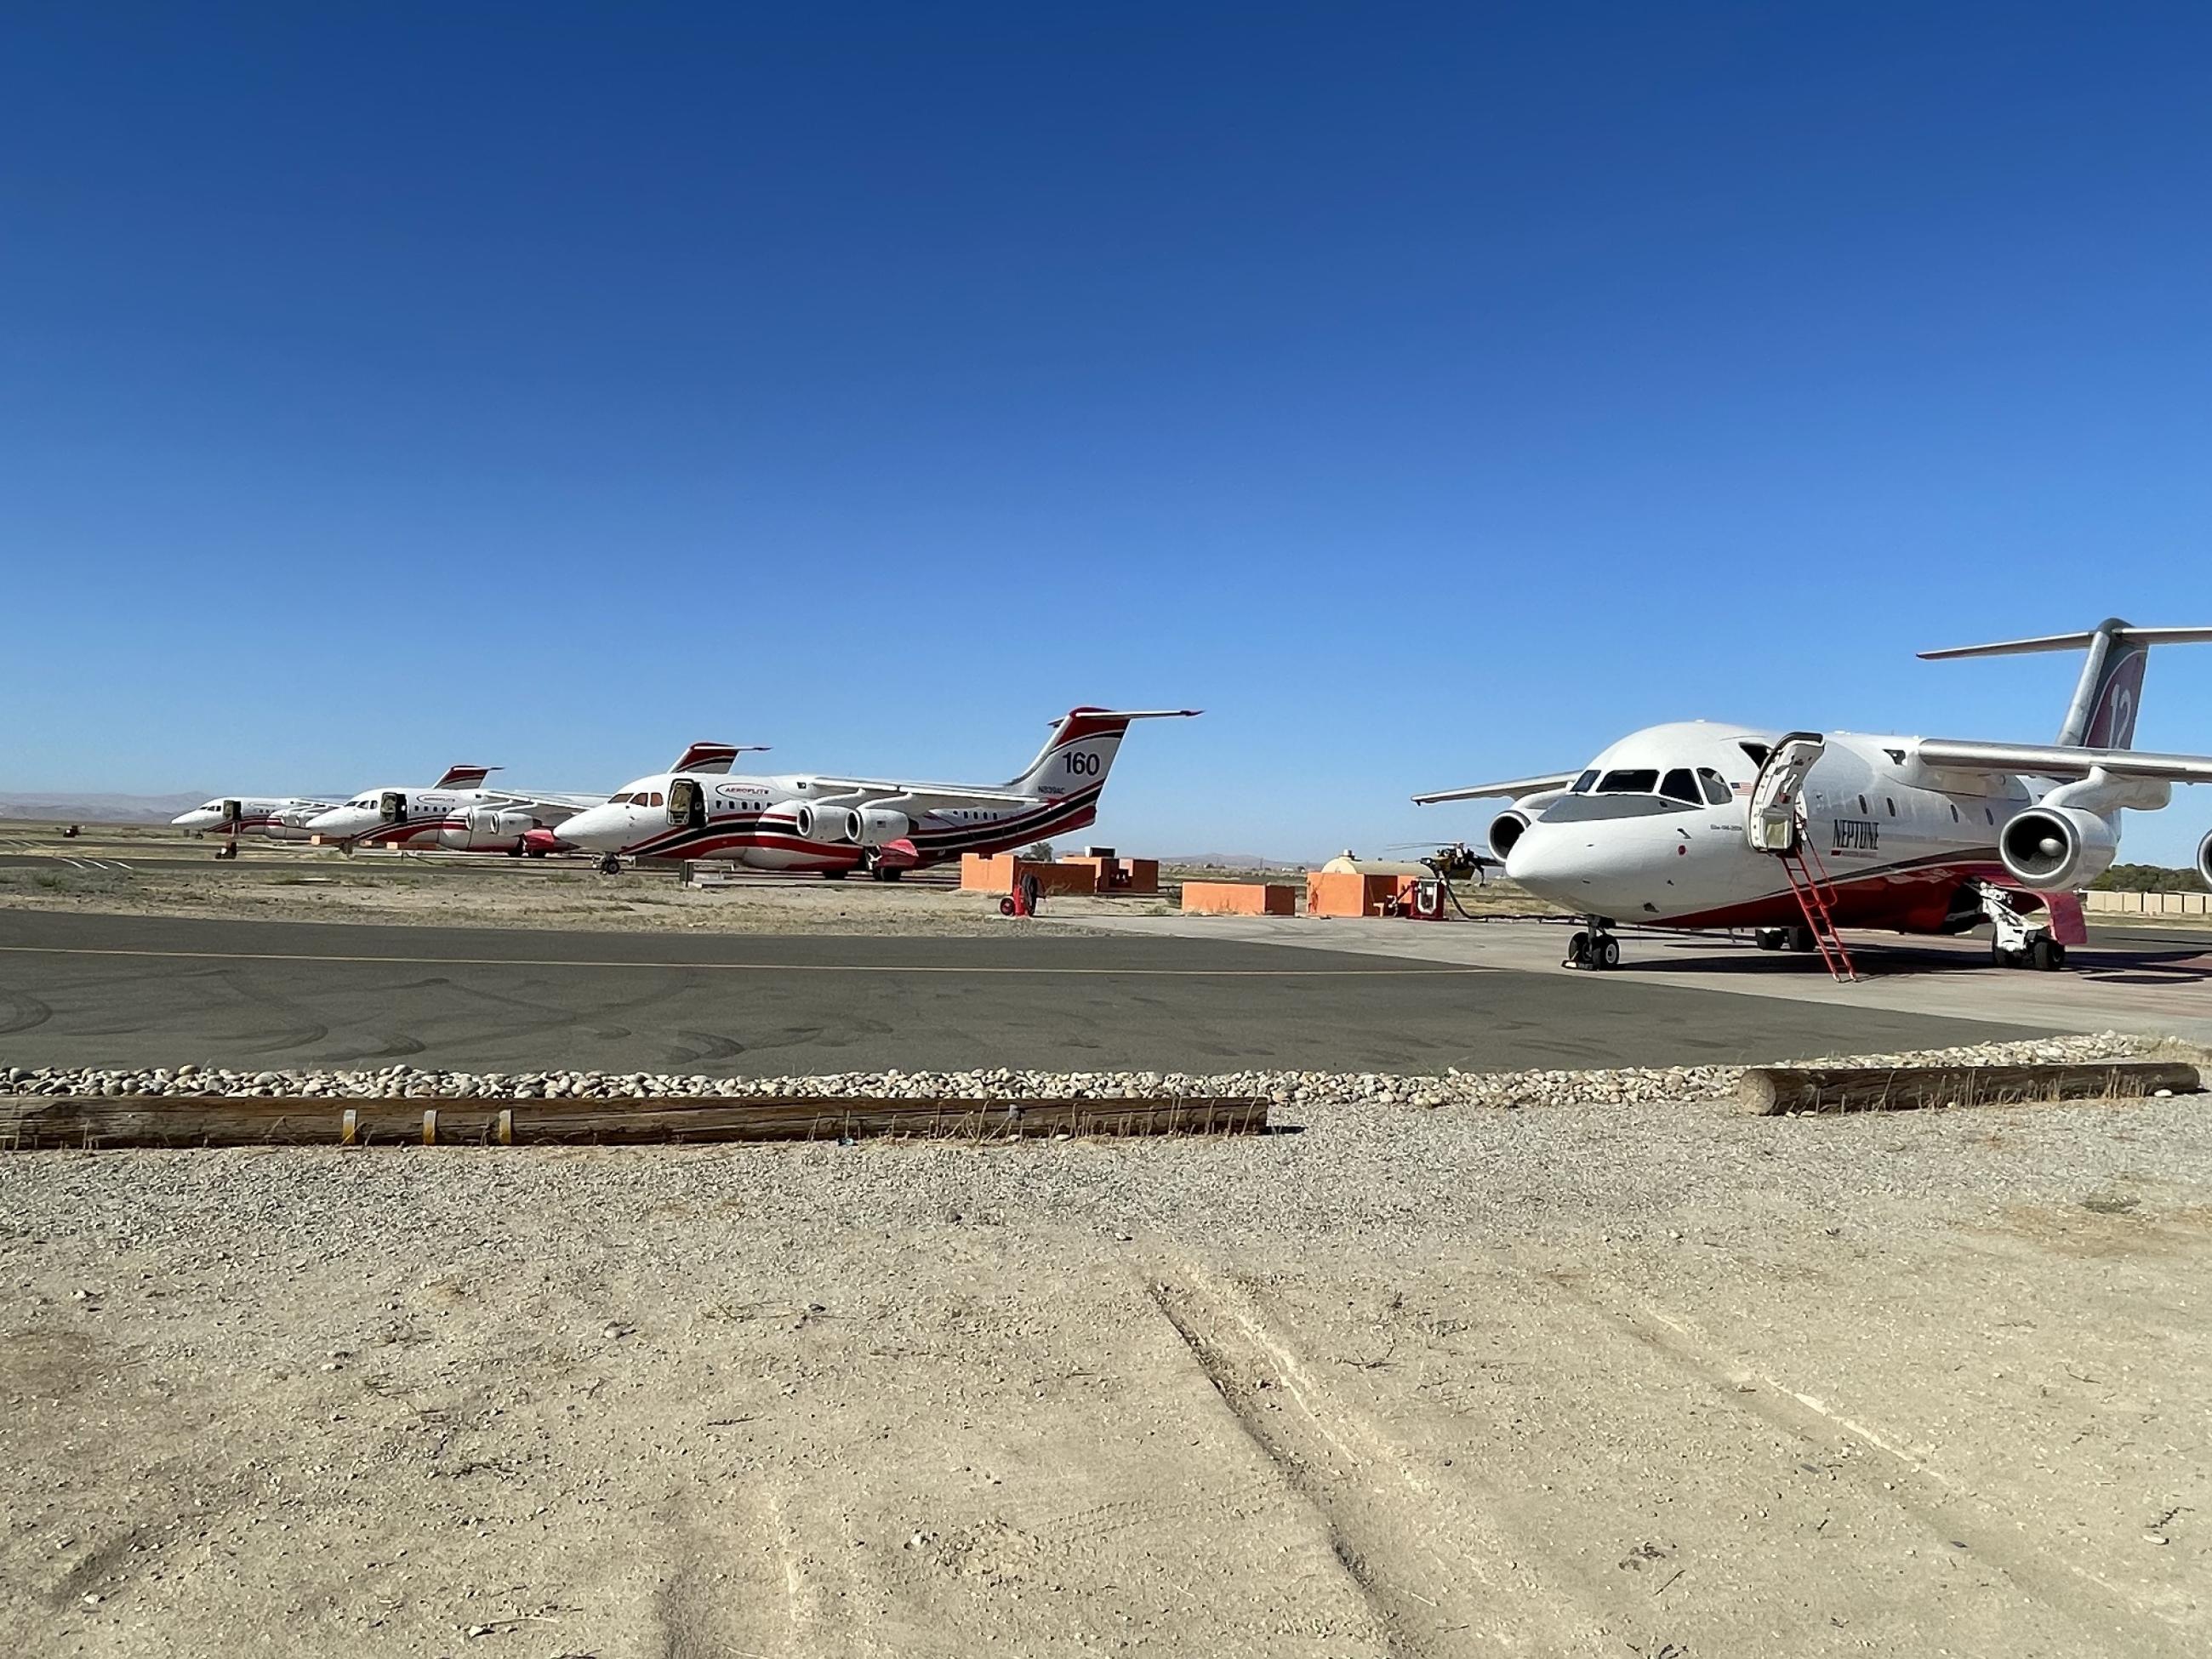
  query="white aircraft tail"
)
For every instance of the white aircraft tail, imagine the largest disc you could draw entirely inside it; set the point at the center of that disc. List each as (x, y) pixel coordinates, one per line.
(715, 756)
(2110, 692)
(1080, 750)
(464, 777)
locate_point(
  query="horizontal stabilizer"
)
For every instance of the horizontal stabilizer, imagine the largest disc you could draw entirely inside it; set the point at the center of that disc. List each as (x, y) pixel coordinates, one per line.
(2074, 641)
(715, 756)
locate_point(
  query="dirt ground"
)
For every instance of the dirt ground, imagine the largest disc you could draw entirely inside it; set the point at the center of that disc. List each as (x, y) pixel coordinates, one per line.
(300, 883)
(1649, 1381)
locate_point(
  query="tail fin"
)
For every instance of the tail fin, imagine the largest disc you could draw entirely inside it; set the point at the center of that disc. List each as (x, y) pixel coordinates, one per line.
(1081, 749)
(715, 756)
(464, 777)
(2103, 712)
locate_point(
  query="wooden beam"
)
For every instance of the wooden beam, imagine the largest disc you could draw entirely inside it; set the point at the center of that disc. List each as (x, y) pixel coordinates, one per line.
(1771, 1090)
(92, 1120)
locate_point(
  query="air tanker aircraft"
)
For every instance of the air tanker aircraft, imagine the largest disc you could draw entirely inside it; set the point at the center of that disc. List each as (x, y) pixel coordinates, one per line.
(459, 814)
(279, 818)
(833, 826)
(1795, 833)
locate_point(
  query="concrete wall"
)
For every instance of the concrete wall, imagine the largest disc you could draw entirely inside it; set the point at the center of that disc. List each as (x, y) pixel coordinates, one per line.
(2147, 904)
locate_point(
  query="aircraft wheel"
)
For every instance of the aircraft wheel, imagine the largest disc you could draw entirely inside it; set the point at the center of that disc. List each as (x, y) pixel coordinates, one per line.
(1800, 940)
(515, 851)
(1577, 952)
(610, 865)
(887, 873)
(835, 875)
(1606, 952)
(1771, 938)
(2046, 955)
(2001, 957)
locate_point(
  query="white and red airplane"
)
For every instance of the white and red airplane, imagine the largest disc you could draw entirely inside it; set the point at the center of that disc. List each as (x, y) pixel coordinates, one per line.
(831, 825)
(459, 814)
(1698, 825)
(278, 817)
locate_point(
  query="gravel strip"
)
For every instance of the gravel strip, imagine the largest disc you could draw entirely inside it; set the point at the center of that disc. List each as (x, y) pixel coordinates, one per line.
(1455, 1088)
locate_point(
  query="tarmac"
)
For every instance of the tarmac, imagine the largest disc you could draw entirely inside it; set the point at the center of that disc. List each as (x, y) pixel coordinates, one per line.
(96, 990)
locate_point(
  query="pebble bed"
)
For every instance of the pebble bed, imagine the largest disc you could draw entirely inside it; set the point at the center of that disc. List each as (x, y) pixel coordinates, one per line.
(1453, 1088)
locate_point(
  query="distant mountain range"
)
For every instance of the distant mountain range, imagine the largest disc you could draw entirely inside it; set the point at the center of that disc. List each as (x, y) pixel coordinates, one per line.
(1222, 860)
(95, 808)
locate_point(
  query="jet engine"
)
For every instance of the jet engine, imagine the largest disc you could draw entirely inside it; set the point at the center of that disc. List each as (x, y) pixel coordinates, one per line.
(1506, 828)
(2049, 847)
(878, 826)
(291, 824)
(488, 830)
(2205, 857)
(828, 825)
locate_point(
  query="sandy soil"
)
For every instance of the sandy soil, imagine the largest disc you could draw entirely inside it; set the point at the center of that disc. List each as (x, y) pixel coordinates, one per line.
(1651, 1381)
(315, 884)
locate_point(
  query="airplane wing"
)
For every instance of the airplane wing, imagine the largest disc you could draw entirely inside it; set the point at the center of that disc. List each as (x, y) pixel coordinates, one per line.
(1515, 787)
(870, 789)
(2058, 760)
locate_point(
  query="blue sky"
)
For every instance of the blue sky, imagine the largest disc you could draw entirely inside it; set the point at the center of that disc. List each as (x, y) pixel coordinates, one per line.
(1428, 392)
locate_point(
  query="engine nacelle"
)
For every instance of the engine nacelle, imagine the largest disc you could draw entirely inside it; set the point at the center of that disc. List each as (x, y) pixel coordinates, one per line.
(488, 830)
(878, 826)
(831, 825)
(2205, 857)
(1506, 829)
(2050, 848)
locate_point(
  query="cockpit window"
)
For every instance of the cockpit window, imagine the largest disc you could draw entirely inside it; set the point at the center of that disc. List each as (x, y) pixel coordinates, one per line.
(1716, 786)
(1585, 783)
(1678, 784)
(656, 800)
(1623, 781)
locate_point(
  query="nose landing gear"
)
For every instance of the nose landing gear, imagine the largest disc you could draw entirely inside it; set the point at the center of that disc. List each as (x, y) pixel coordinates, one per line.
(1595, 948)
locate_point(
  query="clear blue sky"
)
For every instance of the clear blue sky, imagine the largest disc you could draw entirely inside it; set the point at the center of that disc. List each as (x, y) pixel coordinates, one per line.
(1429, 392)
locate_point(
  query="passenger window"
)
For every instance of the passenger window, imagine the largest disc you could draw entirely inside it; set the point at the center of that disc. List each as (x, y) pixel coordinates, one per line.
(1639, 781)
(1678, 784)
(1716, 786)
(1890, 801)
(1989, 815)
(1865, 811)
(1955, 815)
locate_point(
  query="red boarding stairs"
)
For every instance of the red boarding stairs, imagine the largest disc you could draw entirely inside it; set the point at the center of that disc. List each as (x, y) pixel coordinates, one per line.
(1774, 823)
(1808, 879)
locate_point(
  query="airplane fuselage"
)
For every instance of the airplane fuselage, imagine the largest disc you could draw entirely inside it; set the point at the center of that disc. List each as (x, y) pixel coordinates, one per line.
(757, 822)
(1899, 842)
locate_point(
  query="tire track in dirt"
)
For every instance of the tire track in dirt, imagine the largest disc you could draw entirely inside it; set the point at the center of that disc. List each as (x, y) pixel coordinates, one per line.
(1441, 1578)
(1950, 1514)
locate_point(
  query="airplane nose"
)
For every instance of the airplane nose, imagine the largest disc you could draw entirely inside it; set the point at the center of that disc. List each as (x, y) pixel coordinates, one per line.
(1546, 862)
(598, 828)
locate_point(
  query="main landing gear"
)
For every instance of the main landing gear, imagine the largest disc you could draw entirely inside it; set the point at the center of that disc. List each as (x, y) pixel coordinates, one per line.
(2021, 939)
(1799, 939)
(1595, 947)
(610, 865)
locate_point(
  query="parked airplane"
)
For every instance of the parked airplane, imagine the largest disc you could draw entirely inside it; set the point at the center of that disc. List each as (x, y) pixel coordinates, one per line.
(1795, 833)
(834, 825)
(457, 812)
(278, 817)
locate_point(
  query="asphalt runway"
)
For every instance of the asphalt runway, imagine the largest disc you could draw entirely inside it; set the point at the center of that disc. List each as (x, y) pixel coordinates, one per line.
(122, 990)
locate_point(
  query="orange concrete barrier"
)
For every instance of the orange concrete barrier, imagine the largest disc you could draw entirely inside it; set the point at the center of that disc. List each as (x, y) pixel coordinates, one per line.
(1239, 898)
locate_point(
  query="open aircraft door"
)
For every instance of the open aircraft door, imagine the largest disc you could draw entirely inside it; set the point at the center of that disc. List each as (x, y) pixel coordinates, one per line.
(687, 803)
(233, 811)
(392, 807)
(1775, 808)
